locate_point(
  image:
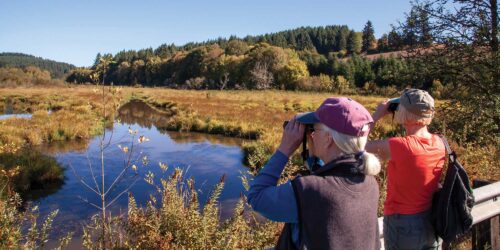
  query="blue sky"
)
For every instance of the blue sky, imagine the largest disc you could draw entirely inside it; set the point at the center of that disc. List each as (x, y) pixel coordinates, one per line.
(75, 31)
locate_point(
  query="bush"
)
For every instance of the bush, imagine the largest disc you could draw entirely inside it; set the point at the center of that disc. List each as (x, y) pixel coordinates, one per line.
(341, 85)
(195, 83)
(176, 221)
(26, 77)
(315, 83)
(12, 222)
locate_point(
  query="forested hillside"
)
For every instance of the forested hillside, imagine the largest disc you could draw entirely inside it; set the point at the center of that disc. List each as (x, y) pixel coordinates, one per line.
(19, 60)
(329, 58)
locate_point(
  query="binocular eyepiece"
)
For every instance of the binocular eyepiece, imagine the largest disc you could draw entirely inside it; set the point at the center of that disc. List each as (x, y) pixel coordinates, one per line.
(393, 105)
(309, 127)
(285, 123)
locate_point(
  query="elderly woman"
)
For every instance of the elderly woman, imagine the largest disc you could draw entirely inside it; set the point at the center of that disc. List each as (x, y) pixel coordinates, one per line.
(336, 206)
(413, 172)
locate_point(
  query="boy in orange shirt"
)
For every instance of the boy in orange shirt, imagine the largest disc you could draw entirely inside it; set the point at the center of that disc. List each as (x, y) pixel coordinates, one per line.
(413, 172)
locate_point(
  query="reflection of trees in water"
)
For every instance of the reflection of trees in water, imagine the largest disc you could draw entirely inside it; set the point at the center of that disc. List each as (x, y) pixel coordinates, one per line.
(58, 147)
(40, 176)
(184, 137)
(7, 107)
(48, 189)
(138, 112)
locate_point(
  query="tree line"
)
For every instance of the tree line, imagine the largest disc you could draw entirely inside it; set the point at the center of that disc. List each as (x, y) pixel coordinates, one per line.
(261, 66)
(29, 76)
(452, 52)
(19, 60)
(306, 58)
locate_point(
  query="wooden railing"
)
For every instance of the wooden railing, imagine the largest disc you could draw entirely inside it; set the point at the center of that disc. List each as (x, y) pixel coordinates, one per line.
(486, 207)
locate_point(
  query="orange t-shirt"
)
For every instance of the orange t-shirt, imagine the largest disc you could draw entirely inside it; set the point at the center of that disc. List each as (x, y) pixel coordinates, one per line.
(413, 173)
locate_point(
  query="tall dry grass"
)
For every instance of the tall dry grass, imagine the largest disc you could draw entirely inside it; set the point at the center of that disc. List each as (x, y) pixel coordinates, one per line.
(246, 114)
(174, 220)
(74, 115)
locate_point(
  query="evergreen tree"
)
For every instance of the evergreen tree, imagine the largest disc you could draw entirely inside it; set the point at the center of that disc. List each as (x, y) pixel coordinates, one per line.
(394, 39)
(19, 60)
(165, 51)
(411, 29)
(354, 42)
(383, 43)
(425, 38)
(368, 37)
(304, 41)
(97, 60)
(342, 40)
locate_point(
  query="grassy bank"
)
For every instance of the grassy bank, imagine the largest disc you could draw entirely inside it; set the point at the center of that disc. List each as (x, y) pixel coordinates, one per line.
(58, 114)
(36, 171)
(73, 115)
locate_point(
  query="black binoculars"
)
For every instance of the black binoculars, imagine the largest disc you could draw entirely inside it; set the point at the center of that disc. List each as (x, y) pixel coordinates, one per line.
(393, 105)
(309, 127)
(305, 151)
(285, 123)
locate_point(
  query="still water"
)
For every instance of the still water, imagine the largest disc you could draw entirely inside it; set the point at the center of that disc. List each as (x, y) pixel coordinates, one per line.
(7, 116)
(203, 157)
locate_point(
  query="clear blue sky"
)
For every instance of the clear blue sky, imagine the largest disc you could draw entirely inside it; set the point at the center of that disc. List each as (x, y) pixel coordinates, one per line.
(75, 31)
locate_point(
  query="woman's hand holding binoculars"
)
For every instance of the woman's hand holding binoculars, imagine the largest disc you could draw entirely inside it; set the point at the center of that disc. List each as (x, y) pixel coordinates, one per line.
(382, 110)
(293, 134)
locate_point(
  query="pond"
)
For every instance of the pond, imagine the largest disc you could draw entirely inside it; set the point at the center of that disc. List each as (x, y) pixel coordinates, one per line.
(205, 158)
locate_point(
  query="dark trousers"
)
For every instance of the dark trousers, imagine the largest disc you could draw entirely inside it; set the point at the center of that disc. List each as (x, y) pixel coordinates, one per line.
(409, 231)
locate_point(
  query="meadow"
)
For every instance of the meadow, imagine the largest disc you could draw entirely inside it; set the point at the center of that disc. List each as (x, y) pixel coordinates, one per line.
(258, 115)
(80, 112)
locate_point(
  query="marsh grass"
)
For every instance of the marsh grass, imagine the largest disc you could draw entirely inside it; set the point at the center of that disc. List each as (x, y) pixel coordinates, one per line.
(12, 222)
(38, 170)
(192, 121)
(73, 115)
(173, 219)
(70, 119)
(12, 219)
(246, 114)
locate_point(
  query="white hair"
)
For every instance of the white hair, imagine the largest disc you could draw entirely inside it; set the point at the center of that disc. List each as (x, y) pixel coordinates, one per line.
(353, 144)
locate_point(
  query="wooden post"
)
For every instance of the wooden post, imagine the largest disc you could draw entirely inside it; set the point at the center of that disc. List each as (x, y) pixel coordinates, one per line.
(495, 232)
(481, 231)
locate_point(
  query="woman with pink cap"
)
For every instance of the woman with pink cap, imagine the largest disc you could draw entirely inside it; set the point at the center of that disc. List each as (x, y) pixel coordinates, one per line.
(335, 207)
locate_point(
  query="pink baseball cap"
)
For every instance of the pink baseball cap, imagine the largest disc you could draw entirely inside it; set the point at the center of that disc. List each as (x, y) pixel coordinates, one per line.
(341, 114)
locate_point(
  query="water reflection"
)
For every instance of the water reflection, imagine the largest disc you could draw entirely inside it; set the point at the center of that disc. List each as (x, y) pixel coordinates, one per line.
(203, 157)
(138, 112)
(41, 176)
(200, 137)
(59, 147)
(8, 108)
(48, 189)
